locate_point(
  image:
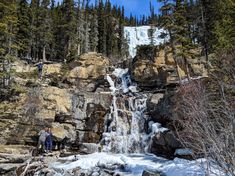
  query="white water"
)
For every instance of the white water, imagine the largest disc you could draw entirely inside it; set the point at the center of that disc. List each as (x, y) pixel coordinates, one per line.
(125, 123)
(125, 140)
(137, 36)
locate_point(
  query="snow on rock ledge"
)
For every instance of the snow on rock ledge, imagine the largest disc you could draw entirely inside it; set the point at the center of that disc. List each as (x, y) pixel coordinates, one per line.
(137, 36)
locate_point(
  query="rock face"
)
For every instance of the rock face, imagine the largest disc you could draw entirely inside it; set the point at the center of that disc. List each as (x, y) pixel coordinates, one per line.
(89, 71)
(159, 107)
(75, 116)
(12, 157)
(155, 68)
(77, 106)
(90, 110)
(164, 144)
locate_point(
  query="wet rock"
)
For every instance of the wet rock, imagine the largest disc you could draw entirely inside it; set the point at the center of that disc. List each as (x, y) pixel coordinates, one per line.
(160, 106)
(88, 137)
(8, 169)
(89, 148)
(12, 157)
(149, 173)
(164, 144)
(90, 110)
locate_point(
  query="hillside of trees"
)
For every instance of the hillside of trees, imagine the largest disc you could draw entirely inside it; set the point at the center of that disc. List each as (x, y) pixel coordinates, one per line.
(44, 30)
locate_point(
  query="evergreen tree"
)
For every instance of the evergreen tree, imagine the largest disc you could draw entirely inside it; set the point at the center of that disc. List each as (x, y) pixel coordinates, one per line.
(167, 22)
(45, 29)
(94, 30)
(68, 26)
(87, 28)
(183, 42)
(8, 23)
(101, 28)
(225, 25)
(23, 25)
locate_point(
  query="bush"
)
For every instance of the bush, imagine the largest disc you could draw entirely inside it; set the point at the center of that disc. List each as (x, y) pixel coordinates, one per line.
(205, 115)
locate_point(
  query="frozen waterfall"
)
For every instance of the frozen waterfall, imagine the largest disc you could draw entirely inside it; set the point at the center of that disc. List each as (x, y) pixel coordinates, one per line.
(125, 125)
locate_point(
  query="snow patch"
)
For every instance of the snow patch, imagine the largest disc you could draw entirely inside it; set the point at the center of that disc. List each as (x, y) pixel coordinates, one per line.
(183, 152)
(133, 165)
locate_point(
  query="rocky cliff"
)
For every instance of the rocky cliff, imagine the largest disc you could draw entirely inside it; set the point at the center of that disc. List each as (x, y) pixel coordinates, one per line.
(76, 101)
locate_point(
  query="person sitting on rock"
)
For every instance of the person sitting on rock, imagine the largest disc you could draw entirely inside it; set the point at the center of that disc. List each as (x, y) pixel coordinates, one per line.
(42, 139)
(49, 141)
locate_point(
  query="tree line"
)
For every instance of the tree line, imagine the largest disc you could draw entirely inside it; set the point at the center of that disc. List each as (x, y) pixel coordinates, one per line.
(192, 24)
(204, 111)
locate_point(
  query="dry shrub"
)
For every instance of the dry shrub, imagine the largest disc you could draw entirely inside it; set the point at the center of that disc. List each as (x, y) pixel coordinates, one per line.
(204, 121)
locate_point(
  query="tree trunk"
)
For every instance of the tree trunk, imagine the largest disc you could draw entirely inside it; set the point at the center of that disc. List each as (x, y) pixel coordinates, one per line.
(174, 57)
(205, 34)
(44, 54)
(187, 69)
(78, 49)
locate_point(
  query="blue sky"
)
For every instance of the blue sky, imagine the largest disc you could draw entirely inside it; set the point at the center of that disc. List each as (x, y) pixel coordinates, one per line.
(136, 7)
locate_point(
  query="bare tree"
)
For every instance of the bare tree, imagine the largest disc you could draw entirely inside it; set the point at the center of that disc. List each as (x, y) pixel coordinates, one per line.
(205, 122)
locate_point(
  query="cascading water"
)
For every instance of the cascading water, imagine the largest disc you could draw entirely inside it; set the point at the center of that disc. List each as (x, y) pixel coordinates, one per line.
(125, 124)
(125, 136)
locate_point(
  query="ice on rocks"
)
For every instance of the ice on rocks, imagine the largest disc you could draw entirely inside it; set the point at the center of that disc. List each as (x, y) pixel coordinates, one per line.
(132, 165)
(137, 36)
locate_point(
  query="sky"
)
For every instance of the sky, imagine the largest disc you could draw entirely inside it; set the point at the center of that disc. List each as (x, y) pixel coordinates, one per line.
(136, 7)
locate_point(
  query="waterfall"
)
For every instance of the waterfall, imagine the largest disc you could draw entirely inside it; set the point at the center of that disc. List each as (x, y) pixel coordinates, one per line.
(125, 124)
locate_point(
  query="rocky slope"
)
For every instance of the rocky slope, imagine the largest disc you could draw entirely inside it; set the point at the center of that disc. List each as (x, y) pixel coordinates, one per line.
(75, 101)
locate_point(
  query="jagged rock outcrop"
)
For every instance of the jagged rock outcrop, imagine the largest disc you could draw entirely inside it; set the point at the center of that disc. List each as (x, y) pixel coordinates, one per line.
(154, 67)
(164, 144)
(75, 116)
(89, 71)
(160, 108)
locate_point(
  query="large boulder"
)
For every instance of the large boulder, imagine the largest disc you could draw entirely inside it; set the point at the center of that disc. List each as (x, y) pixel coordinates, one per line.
(160, 106)
(89, 71)
(164, 144)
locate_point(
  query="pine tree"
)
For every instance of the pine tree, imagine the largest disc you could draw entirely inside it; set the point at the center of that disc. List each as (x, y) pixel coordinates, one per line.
(167, 22)
(109, 29)
(45, 29)
(57, 30)
(8, 23)
(68, 26)
(152, 22)
(23, 34)
(225, 25)
(94, 30)
(101, 28)
(87, 28)
(183, 43)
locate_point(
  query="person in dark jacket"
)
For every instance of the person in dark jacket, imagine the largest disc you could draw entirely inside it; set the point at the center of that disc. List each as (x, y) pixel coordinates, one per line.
(40, 68)
(49, 140)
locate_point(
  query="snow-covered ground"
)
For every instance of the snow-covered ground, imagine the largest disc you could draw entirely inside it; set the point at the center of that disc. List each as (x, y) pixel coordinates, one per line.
(140, 36)
(131, 165)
